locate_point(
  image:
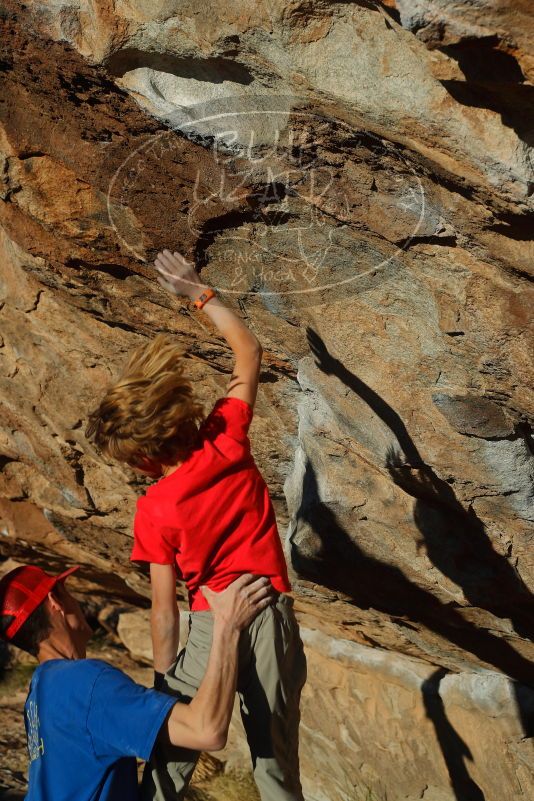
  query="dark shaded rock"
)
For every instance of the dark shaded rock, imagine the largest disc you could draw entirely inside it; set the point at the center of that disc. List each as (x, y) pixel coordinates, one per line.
(476, 416)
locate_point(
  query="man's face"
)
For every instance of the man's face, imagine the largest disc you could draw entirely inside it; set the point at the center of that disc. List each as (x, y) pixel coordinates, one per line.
(78, 627)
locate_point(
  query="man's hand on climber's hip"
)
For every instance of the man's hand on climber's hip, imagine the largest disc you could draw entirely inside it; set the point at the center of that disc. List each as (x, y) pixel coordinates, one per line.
(241, 602)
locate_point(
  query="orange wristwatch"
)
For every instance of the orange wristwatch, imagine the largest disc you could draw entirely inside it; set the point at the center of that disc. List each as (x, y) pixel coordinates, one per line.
(201, 301)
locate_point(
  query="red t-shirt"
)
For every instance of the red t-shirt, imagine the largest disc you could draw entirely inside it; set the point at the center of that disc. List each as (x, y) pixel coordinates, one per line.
(212, 516)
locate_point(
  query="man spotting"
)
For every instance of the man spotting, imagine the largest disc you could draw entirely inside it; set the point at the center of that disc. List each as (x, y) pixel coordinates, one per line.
(87, 721)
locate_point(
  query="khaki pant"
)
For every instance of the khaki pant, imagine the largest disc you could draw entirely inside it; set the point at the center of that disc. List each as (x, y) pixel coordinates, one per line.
(272, 672)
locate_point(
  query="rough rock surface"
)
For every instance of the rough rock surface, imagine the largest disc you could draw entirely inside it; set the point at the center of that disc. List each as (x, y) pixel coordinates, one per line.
(492, 41)
(355, 188)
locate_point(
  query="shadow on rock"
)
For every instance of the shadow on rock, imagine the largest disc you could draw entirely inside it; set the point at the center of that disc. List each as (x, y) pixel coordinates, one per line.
(449, 532)
(455, 751)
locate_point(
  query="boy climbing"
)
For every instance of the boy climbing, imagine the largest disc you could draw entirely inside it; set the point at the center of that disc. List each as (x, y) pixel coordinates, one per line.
(209, 518)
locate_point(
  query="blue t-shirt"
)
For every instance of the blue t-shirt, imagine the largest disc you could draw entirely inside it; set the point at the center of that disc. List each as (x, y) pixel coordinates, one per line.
(85, 723)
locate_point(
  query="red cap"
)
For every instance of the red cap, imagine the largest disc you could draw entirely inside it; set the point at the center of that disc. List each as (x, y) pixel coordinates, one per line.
(21, 592)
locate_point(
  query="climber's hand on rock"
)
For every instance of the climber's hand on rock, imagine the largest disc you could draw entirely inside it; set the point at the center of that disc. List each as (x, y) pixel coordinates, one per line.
(177, 275)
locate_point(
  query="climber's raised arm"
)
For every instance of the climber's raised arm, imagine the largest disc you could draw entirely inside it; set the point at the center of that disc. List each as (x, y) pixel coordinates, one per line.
(179, 276)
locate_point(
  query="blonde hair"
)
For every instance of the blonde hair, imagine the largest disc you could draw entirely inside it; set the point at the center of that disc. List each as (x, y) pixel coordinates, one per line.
(150, 411)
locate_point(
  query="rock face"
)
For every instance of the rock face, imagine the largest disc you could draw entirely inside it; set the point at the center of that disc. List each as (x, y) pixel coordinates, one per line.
(491, 41)
(373, 701)
(356, 180)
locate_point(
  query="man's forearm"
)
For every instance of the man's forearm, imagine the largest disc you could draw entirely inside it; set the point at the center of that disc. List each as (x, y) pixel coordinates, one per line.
(203, 724)
(214, 700)
(208, 715)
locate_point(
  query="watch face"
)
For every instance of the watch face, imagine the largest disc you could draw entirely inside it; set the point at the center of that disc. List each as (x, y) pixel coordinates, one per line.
(202, 299)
